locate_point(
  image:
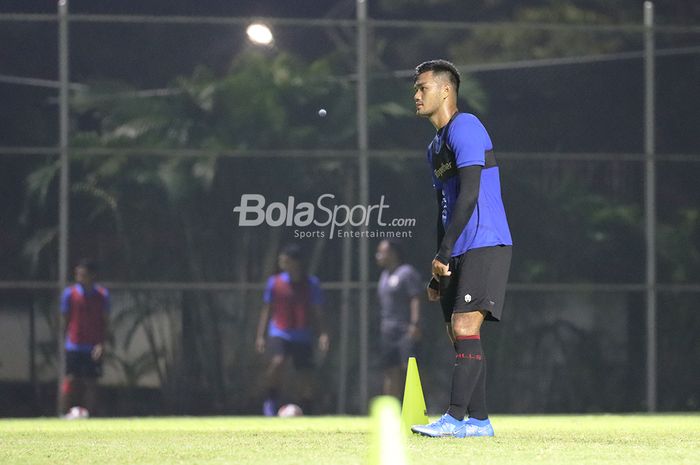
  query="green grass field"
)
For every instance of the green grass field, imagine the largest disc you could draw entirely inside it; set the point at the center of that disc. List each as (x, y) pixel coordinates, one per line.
(557, 439)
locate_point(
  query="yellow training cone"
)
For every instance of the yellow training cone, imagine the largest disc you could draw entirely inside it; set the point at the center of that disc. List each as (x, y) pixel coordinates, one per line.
(413, 411)
(387, 447)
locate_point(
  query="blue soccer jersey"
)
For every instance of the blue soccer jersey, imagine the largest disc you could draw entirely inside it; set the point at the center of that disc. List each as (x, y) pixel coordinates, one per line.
(465, 142)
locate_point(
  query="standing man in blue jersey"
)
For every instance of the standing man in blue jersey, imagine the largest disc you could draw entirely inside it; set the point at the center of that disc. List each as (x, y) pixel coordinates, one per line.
(470, 268)
(291, 318)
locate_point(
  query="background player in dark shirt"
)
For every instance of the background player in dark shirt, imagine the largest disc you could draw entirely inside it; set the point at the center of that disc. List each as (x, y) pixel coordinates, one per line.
(400, 290)
(289, 320)
(470, 268)
(85, 310)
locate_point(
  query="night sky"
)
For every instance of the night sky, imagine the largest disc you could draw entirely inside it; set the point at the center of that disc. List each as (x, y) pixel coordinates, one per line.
(284, 8)
(150, 56)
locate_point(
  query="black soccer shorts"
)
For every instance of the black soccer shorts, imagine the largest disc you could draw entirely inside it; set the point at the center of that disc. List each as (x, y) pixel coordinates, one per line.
(81, 365)
(395, 347)
(478, 282)
(301, 353)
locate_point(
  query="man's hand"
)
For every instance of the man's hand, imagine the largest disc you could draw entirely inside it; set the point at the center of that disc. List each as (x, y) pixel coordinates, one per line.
(323, 342)
(260, 344)
(97, 352)
(440, 269)
(433, 289)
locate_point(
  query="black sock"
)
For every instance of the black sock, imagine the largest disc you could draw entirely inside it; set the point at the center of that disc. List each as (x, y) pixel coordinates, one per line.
(468, 365)
(477, 404)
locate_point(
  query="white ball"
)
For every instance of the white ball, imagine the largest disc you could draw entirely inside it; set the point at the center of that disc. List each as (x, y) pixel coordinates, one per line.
(78, 412)
(290, 410)
(322, 112)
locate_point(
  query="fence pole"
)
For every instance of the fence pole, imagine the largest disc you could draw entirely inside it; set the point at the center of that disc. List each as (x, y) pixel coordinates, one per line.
(346, 277)
(650, 204)
(64, 179)
(362, 145)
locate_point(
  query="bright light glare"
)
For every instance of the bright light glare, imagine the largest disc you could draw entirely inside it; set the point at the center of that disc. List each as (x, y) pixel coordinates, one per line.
(259, 34)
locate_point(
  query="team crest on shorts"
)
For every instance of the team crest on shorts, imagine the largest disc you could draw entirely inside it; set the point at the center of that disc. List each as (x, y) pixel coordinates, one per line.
(467, 298)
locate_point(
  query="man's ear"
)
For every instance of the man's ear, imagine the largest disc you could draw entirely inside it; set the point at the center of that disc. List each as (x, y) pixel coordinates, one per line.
(446, 90)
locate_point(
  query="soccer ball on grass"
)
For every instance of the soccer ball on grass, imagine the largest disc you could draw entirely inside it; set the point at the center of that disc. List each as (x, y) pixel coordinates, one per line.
(290, 410)
(77, 413)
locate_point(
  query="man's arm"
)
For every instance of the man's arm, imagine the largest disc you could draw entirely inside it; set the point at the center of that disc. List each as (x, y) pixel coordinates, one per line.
(65, 310)
(262, 326)
(440, 227)
(99, 349)
(414, 328)
(317, 319)
(469, 180)
(434, 285)
(320, 327)
(65, 321)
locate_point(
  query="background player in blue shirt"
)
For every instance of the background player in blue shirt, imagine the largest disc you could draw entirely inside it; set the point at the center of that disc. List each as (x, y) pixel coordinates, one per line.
(471, 265)
(290, 318)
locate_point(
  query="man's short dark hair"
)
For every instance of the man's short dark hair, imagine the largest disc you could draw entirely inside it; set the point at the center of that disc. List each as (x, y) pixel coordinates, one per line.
(89, 264)
(396, 247)
(292, 251)
(439, 66)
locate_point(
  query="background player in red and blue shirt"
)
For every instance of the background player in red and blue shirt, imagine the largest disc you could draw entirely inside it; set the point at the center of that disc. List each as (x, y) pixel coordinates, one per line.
(85, 310)
(289, 322)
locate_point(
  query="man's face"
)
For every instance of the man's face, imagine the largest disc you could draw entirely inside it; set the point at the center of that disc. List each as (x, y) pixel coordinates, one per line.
(84, 276)
(383, 254)
(283, 262)
(288, 264)
(429, 93)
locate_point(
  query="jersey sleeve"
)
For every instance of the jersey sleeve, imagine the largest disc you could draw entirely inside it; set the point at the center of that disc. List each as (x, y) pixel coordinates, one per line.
(414, 285)
(108, 298)
(65, 300)
(267, 294)
(469, 140)
(316, 291)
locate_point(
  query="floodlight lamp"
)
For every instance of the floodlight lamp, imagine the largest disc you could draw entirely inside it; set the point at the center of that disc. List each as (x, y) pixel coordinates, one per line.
(259, 34)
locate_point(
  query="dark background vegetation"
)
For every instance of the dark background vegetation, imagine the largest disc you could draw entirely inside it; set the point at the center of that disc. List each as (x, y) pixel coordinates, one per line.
(568, 139)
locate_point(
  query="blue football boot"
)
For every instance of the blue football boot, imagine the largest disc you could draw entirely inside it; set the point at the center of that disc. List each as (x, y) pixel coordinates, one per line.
(478, 428)
(445, 426)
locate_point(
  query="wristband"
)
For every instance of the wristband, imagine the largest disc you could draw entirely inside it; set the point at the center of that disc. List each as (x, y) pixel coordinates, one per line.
(434, 284)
